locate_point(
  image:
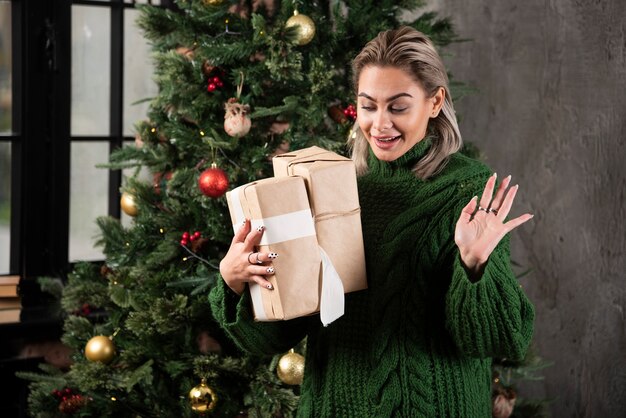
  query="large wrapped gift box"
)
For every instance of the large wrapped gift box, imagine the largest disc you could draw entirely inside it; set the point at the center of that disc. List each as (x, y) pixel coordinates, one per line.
(282, 207)
(334, 200)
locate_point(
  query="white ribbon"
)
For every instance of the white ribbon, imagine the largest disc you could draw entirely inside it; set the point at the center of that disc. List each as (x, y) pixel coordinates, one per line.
(332, 299)
(287, 227)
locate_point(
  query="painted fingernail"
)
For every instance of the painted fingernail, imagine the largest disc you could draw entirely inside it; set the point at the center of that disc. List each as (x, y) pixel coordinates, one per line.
(273, 255)
(495, 175)
(270, 270)
(270, 287)
(508, 178)
(260, 228)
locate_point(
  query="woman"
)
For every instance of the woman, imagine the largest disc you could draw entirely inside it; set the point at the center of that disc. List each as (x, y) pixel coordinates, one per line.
(442, 299)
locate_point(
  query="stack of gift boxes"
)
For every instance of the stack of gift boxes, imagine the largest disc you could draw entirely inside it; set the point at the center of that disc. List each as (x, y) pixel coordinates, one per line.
(311, 215)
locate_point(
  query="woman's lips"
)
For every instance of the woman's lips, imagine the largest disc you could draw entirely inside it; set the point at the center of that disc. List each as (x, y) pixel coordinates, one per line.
(386, 142)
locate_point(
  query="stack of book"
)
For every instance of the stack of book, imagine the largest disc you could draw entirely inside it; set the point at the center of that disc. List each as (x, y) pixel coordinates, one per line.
(10, 300)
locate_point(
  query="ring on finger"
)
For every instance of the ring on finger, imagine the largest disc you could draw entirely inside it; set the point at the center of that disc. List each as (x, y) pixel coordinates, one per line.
(256, 261)
(494, 211)
(481, 208)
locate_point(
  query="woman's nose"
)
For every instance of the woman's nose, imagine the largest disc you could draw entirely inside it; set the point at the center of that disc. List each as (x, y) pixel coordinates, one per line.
(381, 121)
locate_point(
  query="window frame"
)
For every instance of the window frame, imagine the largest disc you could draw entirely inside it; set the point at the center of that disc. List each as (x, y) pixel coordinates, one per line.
(41, 137)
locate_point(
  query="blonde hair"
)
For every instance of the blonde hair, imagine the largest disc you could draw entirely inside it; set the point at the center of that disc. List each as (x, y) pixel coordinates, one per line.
(411, 51)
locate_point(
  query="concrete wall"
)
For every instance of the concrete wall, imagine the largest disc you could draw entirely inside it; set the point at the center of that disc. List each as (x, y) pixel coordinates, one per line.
(551, 111)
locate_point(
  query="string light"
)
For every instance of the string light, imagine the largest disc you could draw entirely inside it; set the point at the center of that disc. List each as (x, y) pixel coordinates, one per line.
(201, 133)
(153, 130)
(161, 230)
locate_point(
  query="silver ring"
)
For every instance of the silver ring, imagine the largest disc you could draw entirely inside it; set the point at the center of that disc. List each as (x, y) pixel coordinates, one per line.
(249, 257)
(481, 208)
(257, 259)
(495, 211)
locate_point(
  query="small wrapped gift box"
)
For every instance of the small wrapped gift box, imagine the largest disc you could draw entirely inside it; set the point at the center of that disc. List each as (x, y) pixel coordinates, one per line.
(281, 205)
(331, 183)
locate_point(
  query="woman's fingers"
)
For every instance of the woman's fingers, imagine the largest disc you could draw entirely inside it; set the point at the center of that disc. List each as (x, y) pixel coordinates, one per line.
(261, 281)
(468, 210)
(242, 232)
(505, 208)
(259, 275)
(254, 237)
(485, 199)
(259, 257)
(514, 223)
(497, 201)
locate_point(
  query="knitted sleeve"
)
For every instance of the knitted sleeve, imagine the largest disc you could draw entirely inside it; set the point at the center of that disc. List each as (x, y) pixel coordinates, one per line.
(233, 313)
(491, 317)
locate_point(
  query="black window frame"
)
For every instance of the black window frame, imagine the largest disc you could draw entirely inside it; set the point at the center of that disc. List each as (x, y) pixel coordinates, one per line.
(41, 137)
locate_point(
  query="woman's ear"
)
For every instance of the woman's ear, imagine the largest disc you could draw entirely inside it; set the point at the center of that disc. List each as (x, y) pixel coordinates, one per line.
(438, 99)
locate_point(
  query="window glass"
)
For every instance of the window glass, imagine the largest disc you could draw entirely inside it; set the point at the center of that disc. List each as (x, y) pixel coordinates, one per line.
(5, 206)
(91, 64)
(5, 67)
(89, 191)
(138, 71)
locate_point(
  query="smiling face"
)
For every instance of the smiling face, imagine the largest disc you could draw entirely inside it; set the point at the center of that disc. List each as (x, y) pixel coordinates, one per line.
(393, 110)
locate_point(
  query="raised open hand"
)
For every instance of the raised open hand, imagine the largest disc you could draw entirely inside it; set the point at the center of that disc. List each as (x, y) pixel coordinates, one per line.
(243, 264)
(481, 225)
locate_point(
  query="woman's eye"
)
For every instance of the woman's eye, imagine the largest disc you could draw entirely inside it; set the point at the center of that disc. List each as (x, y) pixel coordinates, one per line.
(398, 109)
(368, 108)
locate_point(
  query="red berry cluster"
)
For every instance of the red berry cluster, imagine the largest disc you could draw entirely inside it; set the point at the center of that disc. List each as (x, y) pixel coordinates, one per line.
(65, 394)
(214, 83)
(350, 112)
(187, 237)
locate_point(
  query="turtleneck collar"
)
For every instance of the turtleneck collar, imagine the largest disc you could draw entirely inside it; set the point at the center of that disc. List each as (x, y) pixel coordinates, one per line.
(405, 162)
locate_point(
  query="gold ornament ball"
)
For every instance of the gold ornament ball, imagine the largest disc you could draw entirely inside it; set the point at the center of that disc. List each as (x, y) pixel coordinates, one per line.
(202, 398)
(290, 368)
(100, 348)
(306, 27)
(127, 202)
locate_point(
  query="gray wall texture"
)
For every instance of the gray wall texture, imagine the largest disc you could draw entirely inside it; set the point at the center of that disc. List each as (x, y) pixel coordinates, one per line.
(551, 111)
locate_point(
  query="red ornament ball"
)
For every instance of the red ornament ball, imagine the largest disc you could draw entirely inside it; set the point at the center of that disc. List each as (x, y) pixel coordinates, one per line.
(211, 87)
(213, 182)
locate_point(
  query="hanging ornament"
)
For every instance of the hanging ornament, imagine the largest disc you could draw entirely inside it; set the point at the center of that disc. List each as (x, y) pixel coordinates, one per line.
(202, 398)
(100, 348)
(306, 27)
(127, 202)
(236, 120)
(290, 369)
(213, 181)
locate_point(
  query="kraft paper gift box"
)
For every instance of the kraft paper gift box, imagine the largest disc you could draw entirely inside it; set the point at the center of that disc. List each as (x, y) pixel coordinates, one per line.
(333, 196)
(281, 205)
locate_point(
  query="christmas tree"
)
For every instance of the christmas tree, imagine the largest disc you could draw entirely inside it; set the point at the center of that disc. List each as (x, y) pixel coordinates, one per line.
(239, 82)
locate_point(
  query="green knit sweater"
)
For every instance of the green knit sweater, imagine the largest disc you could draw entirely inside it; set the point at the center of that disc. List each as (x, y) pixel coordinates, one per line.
(419, 341)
